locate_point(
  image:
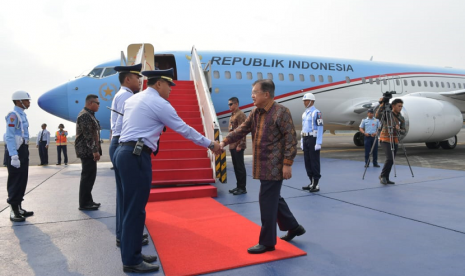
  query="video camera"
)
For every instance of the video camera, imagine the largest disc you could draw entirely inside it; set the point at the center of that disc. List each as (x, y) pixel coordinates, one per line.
(387, 96)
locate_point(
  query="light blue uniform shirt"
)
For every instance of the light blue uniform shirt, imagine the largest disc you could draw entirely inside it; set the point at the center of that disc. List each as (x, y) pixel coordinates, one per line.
(312, 122)
(147, 113)
(370, 125)
(13, 130)
(118, 104)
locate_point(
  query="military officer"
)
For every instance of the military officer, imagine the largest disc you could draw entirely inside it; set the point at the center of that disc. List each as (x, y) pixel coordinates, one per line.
(310, 142)
(145, 115)
(369, 126)
(129, 78)
(17, 139)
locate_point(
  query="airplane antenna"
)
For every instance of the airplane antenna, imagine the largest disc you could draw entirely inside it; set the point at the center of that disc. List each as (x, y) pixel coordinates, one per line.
(371, 59)
(123, 59)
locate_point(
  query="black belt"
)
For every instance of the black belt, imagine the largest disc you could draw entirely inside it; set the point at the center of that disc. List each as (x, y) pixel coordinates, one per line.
(133, 144)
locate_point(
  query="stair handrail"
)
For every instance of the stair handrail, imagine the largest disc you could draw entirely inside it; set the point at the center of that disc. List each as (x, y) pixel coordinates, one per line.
(207, 110)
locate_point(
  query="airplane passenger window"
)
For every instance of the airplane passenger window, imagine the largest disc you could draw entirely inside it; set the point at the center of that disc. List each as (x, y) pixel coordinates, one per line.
(348, 80)
(238, 75)
(431, 84)
(216, 74)
(460, 85)
(442, 84)
(448, 85)
(269, 76)
(385, 81)
(397, 82)
(419, 83)
(259, 76)
(301, 77)
(95, 73)
(413, 82)
(281, 76)
(330, 79)
(363, 79)
(377, 81)
(405, 82)
(453, 84)
(320, 78)
(437, 84)
(108, 72)
(249, 75)
(312, 78)
(227, 74)
(291, 77)
(425, 83)
(371, 81)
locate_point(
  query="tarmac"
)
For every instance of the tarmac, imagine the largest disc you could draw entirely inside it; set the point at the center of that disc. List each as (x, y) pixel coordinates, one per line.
(354, 226)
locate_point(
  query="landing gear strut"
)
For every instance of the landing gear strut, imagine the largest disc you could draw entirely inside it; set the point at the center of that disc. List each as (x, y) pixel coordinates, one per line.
(359, 139)
(447, 144)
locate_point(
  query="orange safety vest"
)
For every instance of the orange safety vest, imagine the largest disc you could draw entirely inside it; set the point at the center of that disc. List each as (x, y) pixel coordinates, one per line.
(61, 139)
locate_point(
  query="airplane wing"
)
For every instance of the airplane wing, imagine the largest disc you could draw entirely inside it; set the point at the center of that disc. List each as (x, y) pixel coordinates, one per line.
(457, 94)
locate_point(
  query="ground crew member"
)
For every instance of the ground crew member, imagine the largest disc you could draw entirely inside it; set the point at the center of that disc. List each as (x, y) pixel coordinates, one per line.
(237, 149)
(369, 126)
(43, 140)
(61, 142)
(145, 116)
(17, 139)
(129, 78)
(311, 140)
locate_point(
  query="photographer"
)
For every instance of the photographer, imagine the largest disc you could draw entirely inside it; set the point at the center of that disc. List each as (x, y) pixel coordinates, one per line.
(393, 127)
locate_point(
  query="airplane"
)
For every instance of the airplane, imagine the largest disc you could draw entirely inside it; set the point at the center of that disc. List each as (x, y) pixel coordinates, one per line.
(434, 97)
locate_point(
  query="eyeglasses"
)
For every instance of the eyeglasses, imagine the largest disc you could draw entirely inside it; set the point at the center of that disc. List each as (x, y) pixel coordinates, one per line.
(230, 104)
(98, 103)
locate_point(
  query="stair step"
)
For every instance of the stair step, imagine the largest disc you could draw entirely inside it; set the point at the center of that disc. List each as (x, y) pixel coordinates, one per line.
(184, 107)
(173, 193)
(198, 127)
(188, 114)
(182, 174)
(190, 163)
(176, 101)
(169, 136)
(181, 153)
(175, 96)
(179, 144)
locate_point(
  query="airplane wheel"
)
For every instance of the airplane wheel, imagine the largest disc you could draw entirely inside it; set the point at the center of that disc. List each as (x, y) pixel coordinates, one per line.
(432, 145)
(359, 139)
(449, 143)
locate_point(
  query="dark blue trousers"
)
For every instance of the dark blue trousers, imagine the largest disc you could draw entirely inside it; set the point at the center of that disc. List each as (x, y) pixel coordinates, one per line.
(65, 153)
(273, 209)
(43, 153)
(135, 174)
(368, 144)
(119, 199)
(239, 168)
(311, 158)
(17, 178)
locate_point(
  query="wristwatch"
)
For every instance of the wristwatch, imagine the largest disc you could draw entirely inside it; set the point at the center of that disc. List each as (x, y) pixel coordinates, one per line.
(211, 146)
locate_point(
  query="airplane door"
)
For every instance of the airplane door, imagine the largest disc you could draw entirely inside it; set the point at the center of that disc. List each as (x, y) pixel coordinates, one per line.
(391, 83)
(166, 61)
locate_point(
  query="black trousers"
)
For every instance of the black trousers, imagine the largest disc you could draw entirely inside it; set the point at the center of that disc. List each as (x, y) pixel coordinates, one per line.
(389, 160)
(311, 158)
(239, 168)
(17, 178)
(88, 175)
(43, 153)
(65, 153)
(273, 209)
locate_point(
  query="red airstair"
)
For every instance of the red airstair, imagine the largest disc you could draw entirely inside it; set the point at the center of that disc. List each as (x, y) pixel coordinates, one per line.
(181, 167)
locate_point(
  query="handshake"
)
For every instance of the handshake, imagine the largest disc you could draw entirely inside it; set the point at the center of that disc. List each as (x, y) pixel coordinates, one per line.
(216, 147)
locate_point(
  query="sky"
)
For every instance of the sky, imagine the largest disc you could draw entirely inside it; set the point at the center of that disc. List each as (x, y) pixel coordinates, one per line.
(46, 43)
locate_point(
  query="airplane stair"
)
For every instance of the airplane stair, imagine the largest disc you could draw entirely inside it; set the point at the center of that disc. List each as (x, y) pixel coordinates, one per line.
(181, 167)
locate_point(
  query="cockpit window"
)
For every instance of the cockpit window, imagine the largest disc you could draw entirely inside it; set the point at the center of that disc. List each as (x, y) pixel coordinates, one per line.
(95, 73)
(108, 72)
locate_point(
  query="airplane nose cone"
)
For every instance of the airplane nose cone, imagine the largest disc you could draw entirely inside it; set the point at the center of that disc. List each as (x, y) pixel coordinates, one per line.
(55, 101)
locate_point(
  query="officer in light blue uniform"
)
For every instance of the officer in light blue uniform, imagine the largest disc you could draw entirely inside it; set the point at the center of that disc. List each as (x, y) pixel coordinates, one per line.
(17, 139)
(310, 143)
(369, 126)
(129, 78)
(145, 115)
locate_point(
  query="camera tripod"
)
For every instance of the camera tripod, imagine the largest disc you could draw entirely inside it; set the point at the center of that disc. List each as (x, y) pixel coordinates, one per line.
(388, 121)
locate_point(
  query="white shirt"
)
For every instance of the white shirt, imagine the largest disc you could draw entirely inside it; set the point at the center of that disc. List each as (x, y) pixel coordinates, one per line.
(45, 137)
(145, 116)
(116, 120)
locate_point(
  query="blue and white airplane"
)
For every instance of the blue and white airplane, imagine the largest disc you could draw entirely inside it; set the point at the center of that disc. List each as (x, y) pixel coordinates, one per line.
(434, 98)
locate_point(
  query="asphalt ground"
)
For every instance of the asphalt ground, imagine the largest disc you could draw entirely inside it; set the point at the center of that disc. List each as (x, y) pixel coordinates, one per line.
(339, 146)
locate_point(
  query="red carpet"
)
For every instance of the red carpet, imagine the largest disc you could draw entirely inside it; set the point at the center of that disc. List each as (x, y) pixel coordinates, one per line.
(200, 235)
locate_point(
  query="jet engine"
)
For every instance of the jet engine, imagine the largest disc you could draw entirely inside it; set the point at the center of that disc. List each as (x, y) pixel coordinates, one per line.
(430, 120)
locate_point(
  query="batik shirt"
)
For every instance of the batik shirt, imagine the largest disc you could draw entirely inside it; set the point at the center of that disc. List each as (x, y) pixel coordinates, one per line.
(87, 134)
(235, 121)
(397, 119)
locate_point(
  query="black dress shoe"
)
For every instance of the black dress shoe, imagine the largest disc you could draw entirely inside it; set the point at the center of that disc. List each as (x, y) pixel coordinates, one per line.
(233, 190)
(390, 182)
(90, 207)
(298, 231)
(25, 213)
(97, 204)
(382, 180)
(307, 187)
(259, 249)
(145, 236)
(149, 258)
(141, 268)
(239, 192)
(145, 241)
(376, 165)
(58, 164)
